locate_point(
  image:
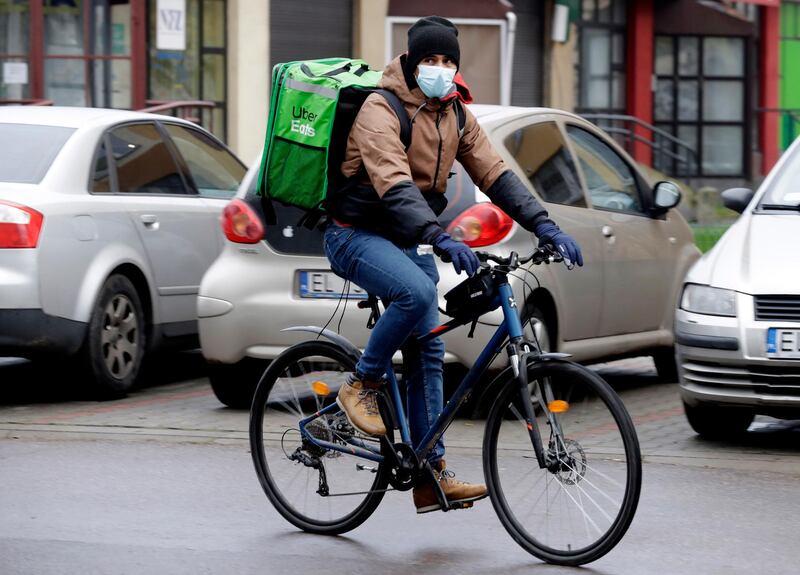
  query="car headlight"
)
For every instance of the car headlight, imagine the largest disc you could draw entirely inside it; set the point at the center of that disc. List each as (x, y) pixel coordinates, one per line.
(709, 300)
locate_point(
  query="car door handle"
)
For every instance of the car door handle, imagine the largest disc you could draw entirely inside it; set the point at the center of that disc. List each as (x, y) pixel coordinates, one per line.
(608, 231)
(149, 220)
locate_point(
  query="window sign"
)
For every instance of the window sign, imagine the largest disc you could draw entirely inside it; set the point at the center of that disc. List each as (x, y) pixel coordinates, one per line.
(171, 25)
(15, 72)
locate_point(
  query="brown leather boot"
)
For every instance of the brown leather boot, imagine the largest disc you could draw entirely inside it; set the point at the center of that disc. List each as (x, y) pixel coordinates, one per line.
(360, 404)
(454, 490)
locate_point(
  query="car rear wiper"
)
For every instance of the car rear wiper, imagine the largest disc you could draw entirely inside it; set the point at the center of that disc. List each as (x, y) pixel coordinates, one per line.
(785, 207)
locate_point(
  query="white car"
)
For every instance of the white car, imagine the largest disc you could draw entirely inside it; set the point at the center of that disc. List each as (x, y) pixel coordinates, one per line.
(108, 221)
(636, 247)
(738, 323)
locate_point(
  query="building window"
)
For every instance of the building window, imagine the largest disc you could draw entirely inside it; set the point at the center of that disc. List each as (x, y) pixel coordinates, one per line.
(701, 97)
(14, 42)
(601, 56)
(197, 72)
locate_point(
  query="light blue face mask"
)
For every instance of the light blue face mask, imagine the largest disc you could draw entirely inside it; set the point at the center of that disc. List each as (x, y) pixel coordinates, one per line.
(436, 81)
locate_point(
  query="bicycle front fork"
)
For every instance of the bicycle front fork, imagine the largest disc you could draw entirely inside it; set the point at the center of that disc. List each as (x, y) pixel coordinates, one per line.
(519, 364)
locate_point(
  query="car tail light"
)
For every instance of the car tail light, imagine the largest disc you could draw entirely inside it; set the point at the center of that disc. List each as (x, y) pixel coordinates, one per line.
(481, 225)
(241, 224)
(19, 226)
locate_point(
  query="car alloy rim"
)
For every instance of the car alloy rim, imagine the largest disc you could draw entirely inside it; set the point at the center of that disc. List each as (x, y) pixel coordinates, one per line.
(540, 333)
(119, 336)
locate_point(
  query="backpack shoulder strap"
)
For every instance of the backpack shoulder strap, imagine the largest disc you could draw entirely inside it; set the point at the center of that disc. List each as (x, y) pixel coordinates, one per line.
(402, 115)
(461, 114)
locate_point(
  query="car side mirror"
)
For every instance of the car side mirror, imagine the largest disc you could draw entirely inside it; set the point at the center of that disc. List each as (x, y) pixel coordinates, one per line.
(737, 199)
(666, 195)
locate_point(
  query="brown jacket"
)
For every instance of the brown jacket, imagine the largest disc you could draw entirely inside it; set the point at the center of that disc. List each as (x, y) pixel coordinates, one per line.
(374, 142)
(399, 193)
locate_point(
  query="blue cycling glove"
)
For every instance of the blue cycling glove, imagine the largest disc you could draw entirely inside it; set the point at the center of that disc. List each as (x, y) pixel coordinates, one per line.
(549, 233)
(451, 250)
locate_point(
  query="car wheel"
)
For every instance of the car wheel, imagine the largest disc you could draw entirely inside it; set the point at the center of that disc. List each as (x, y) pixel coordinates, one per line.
(234, 384)
(715, 422)
(535, 328)
(666, 364)
(115, 342)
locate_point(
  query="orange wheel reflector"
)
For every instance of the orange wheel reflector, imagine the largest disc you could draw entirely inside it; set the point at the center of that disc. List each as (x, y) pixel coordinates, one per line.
(558, 406)
(321, 388)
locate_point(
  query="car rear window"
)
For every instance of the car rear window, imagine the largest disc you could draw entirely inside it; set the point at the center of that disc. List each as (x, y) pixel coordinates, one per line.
(288, 238)
(27, 150)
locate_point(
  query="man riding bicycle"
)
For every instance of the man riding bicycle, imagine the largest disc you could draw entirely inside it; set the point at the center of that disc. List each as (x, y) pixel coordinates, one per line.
(389, 206)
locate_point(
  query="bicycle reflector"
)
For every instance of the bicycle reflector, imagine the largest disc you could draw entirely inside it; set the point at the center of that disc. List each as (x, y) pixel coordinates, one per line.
(321, 388)
(558, 406)
(481, 225)
(241, 224)
(19, 225)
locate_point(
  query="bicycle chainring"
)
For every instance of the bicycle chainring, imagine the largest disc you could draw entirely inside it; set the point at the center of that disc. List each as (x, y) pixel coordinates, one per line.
(404, 476)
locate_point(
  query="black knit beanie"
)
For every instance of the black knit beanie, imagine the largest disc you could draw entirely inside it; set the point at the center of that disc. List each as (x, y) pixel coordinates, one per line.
(431, 35)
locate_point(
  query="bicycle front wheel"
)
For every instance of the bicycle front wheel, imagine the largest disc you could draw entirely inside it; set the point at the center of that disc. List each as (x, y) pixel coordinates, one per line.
(316, 489)
(579, 506)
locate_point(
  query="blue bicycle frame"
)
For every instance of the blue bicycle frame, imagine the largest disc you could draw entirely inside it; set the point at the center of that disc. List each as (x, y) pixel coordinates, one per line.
(511, 326)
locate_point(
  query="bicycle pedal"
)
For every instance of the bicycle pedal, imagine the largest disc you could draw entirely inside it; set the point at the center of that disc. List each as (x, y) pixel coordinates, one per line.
(462, 505)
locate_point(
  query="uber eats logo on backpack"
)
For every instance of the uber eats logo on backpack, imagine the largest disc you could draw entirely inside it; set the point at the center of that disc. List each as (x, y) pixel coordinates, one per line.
(301, 115)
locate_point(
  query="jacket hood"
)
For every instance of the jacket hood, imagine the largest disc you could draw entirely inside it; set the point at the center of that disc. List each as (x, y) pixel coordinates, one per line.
(461, 92)
(395, 80)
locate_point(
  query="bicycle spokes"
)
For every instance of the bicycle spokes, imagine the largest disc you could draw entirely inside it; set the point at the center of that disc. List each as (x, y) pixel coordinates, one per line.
(305, 444)
(578, 501)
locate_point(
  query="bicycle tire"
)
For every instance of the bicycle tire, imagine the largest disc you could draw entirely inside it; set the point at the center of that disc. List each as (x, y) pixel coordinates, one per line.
(589, 428)
(270, 406)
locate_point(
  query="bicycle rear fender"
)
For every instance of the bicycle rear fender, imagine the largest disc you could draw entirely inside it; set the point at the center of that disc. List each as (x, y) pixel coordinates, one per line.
(336, 338)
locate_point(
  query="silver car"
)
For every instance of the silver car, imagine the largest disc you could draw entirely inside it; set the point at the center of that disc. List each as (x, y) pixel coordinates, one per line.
(738, 322)
(108, 220)
(636, 247)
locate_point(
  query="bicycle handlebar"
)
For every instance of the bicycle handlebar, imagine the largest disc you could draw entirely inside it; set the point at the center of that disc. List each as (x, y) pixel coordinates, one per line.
(541, 255)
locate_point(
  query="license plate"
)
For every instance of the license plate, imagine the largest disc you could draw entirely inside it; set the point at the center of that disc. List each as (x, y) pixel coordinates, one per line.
(326, 285)
(783, 343)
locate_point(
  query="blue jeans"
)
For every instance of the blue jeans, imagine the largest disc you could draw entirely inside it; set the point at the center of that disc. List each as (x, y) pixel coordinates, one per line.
(406, 282)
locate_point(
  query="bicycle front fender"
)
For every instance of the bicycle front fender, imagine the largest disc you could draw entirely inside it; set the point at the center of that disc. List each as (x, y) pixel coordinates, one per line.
(490, 391)
(336, 338)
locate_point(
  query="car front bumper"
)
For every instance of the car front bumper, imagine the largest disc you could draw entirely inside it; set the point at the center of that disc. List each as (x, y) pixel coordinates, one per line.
(723, 361)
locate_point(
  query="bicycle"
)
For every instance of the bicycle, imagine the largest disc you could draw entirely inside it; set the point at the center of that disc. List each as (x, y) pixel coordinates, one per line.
(560, 453)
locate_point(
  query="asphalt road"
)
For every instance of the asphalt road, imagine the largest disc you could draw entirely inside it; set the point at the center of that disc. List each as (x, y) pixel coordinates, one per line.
(162, 482)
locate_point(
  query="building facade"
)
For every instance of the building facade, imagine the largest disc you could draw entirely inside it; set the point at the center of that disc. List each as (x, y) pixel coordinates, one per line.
(696, 88)
(790, 72)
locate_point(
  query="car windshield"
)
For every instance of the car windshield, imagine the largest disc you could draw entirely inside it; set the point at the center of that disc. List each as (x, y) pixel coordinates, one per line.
(27, 150)
(785, 188)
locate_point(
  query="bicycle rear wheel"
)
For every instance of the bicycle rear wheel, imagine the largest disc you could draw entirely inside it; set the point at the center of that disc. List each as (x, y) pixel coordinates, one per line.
(579, 507)
(290, 468)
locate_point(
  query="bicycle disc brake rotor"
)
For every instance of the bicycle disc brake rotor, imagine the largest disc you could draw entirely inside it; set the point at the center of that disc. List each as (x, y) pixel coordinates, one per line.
(570, 466)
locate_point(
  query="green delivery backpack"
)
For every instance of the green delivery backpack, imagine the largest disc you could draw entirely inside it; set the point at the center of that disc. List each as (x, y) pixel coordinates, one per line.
(312, 107)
